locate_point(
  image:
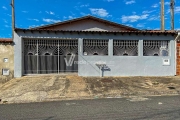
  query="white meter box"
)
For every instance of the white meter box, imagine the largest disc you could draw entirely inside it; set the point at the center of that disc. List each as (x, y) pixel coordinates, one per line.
(166, 62)
(6, 60)
(5, 72)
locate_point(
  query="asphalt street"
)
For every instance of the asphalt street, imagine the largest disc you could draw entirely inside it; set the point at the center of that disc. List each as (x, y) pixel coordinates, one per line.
(148, 108)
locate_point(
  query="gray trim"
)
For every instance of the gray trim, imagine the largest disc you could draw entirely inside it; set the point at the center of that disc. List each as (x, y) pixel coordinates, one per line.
(37, 58)
(173, 56)
(110, 48)
(69, 35)
(140, 48)
(22, 56)
(17, 56)
(80, 51)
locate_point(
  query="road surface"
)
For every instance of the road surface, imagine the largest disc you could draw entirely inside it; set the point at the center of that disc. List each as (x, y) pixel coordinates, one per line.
(150, 108)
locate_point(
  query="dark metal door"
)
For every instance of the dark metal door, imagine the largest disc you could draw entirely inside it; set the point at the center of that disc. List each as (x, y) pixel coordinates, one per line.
(50, 56)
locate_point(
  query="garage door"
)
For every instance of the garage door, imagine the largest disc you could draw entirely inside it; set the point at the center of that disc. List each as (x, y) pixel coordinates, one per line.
(50, 56)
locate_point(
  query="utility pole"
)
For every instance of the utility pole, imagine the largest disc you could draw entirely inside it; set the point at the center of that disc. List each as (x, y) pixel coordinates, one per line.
(162, 15)
(13, 18)
(172, 14)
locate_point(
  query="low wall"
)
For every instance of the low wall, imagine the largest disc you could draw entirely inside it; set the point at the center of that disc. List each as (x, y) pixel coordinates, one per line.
(178, 59)
(6, 51)
(126, 66)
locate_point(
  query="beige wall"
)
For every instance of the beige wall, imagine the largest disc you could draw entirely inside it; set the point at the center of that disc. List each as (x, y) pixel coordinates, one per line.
(6, 51)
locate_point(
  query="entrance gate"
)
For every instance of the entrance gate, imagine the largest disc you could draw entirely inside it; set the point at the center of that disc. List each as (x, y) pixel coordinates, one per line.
(50, 56)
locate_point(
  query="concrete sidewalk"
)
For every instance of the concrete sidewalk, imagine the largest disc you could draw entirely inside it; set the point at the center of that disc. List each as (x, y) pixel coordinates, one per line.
(61, 87)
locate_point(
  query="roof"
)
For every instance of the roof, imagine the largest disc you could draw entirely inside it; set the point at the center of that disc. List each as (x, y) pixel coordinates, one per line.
(84, 18)
(6, 40)
(137, 31)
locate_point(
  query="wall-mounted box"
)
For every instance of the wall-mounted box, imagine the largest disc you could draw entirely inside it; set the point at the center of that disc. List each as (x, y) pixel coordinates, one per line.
(166, 62)
(6, 60)
(85, 53)
(5, 72)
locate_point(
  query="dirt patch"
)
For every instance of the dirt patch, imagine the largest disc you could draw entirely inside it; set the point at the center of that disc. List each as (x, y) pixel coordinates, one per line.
(77, 87)
(59, 87)
(127, 86)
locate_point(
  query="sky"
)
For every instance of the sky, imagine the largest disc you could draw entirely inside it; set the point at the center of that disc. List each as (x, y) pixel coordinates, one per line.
(141, 14)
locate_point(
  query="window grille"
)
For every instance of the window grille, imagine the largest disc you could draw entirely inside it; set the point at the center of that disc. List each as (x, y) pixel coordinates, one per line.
(155, 48)
(125, 47)
(50, 47)
(30, 47)
(95, 47)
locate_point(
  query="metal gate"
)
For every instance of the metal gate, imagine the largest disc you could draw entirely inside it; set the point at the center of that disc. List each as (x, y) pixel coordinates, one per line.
(50, 56)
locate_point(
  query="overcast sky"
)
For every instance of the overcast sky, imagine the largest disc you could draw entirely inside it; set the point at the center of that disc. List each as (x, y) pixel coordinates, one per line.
(141, 14)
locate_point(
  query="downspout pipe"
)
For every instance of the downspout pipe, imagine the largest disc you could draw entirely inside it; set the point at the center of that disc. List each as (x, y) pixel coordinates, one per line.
(175, 42)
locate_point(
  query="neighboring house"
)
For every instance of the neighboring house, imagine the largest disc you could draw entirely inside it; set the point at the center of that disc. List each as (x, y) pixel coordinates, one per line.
(92, 46)
(6, 59)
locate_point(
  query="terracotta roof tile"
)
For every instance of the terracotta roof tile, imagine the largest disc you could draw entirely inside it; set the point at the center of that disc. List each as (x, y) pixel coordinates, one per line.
(6, 40)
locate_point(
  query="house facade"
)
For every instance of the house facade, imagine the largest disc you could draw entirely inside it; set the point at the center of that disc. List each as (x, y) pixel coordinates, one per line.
(91, 46)
(7, 59)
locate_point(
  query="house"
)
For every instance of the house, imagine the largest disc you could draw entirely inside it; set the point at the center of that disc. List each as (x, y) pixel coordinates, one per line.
(7, 59)
(177, 55)
(99, 47)
(90, 46)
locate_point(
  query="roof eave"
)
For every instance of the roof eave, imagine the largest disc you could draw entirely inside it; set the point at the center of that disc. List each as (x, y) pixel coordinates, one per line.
(138, 31)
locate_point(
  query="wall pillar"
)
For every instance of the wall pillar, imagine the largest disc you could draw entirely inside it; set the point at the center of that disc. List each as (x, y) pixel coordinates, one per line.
(80, 46)
(110, 47)
(17, 56)
(140, 48)
(80, 54)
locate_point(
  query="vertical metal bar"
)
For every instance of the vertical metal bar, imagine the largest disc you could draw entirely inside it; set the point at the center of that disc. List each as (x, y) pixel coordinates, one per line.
(58, 56)
(37, 58)
(23, 57)
(100, 71)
